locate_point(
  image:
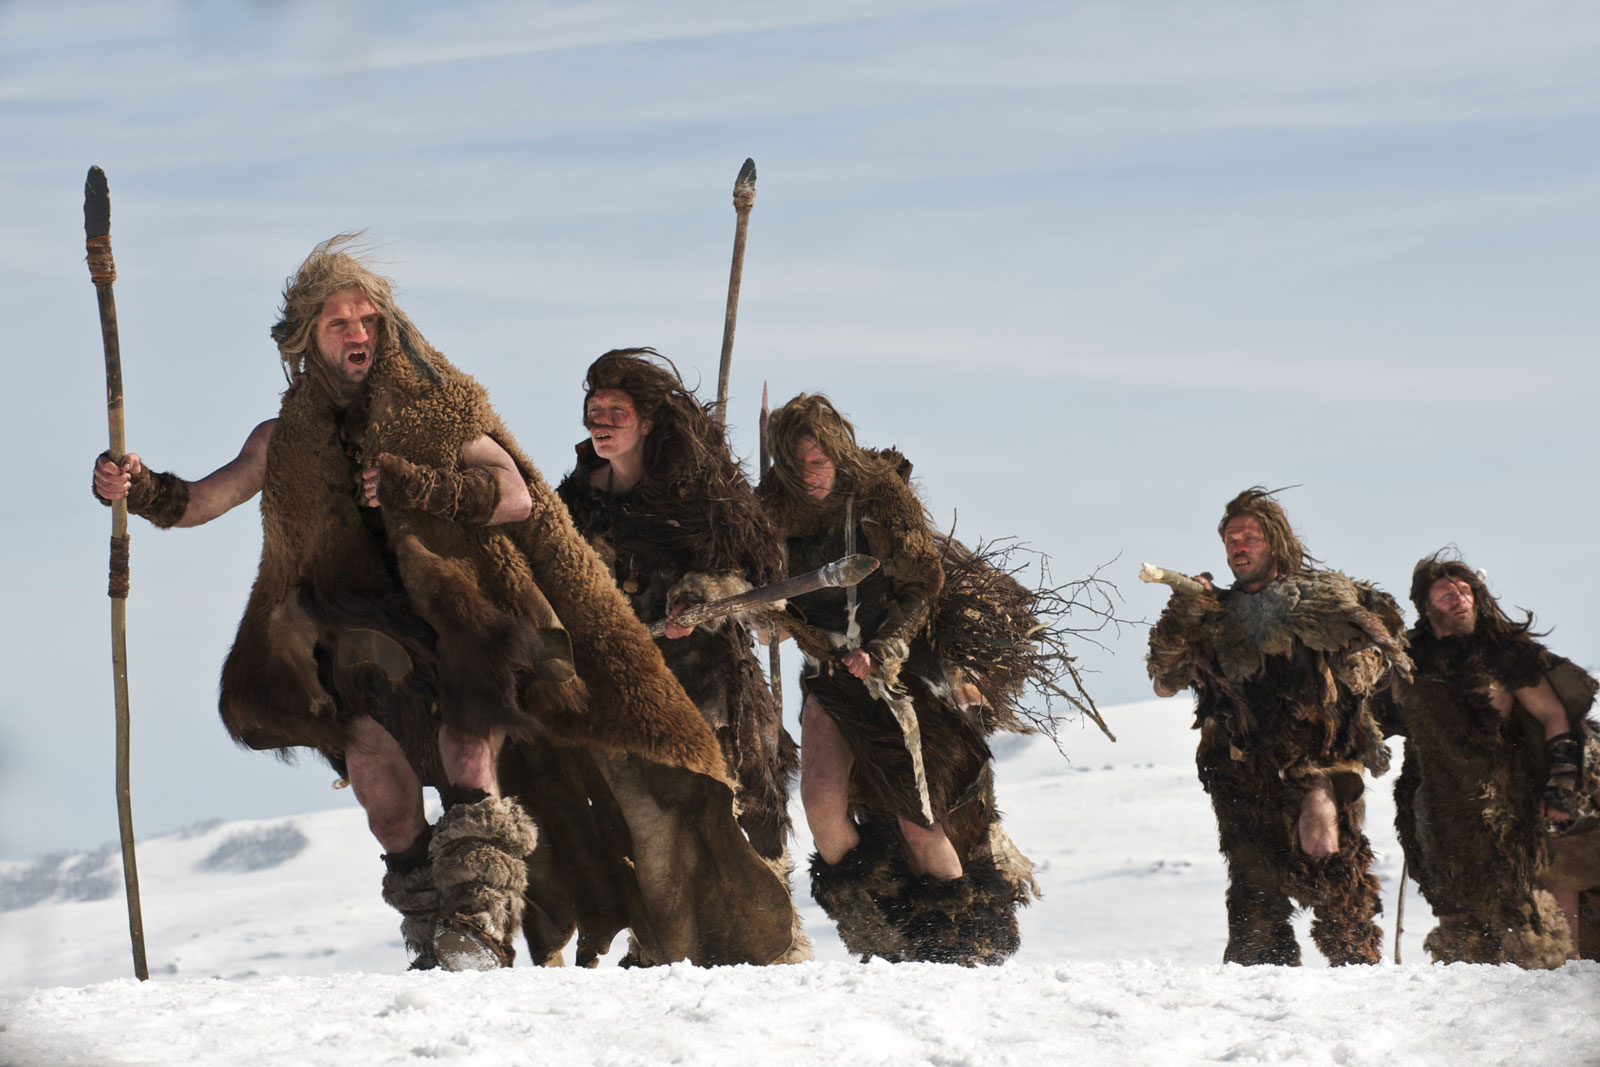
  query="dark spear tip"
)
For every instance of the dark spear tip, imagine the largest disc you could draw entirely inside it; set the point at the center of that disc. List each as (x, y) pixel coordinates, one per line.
(747, 175)
(96, 204)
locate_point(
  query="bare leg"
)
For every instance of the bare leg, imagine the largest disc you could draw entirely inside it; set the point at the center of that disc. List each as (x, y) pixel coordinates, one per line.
(384, 784)
(825, 761)
(1319, 826)
(470, 761)
(930, 851)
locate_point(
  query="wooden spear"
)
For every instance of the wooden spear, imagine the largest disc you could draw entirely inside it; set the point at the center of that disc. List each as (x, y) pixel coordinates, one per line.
(744, 198)
(774, 656)
(103, 272)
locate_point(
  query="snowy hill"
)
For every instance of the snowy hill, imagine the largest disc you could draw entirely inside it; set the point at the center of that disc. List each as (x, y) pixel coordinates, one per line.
(1119, 962)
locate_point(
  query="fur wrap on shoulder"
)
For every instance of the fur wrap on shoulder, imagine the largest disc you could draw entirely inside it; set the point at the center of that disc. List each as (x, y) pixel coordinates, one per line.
(531, 634)
(415, 619)
(1286, 674)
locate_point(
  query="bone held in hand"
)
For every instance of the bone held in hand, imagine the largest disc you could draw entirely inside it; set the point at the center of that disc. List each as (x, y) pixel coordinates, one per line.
(841, 573)
(1180, 583)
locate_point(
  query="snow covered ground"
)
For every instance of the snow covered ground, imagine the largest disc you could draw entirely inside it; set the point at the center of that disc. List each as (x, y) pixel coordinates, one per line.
(268, 945)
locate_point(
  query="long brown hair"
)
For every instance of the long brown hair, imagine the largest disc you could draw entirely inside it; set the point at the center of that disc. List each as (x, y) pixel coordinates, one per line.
(1283, 543)
(682, 431)
(1447, 563)
(814, 416)
(689, 474)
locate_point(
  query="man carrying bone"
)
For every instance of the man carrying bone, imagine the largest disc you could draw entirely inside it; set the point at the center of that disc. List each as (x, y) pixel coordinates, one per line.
(1283, 664)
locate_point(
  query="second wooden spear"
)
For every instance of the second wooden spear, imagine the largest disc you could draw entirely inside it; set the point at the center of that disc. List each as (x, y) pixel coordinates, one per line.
(103, 272)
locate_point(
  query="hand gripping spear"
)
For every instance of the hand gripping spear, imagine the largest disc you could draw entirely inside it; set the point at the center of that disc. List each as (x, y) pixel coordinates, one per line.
(103, 272)
(744, 198)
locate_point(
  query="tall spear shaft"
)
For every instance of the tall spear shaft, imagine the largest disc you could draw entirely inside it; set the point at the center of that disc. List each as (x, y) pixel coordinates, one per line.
(103, 272)
(774, 657)
(744, 198)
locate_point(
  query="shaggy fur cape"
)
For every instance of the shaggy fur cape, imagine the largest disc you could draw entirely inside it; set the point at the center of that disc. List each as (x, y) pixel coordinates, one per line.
(677, 536)
(515, 625)
(1284, 680)
(1467, 801)
(1286, 675)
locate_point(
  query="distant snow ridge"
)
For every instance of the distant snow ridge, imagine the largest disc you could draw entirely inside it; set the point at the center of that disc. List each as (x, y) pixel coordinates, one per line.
(257, 849)
(60, 876)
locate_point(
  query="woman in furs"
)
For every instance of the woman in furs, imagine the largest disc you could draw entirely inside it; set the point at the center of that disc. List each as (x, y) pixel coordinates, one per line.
(896, 777)
(657, 495)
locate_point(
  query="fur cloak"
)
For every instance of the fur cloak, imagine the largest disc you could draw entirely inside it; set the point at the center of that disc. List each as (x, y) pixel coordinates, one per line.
(515, 625)
(1467, 802)
(673, 538)
(1284, 680)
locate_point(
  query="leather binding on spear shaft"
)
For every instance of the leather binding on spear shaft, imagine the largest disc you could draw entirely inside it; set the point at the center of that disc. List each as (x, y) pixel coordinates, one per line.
(103, 272)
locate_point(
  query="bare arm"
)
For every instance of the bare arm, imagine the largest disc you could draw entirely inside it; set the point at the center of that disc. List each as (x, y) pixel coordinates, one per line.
(513, 502)
(1542, 703)
(516, 503)
(216, 494)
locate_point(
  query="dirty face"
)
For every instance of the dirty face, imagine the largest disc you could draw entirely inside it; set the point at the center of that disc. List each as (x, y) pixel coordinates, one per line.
(1249, 554)
(614, 424)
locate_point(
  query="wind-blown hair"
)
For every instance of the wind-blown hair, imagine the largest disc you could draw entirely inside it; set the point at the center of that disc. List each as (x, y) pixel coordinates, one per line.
(333, 267)
(683, 433)
(817, 417)
(1447, 563)
(1283, 544)
(690, 477)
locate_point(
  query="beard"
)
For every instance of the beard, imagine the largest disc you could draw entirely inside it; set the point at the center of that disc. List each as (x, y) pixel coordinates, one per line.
(1453, 625)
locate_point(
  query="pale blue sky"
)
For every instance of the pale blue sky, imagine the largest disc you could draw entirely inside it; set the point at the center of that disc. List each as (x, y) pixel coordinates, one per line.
(1093, 266)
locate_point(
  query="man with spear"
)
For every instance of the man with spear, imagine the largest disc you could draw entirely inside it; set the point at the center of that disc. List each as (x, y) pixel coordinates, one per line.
(425, 614)
(1284, 665)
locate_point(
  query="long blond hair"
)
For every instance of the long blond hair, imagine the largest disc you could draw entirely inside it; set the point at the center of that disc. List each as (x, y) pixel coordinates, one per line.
(333, 267)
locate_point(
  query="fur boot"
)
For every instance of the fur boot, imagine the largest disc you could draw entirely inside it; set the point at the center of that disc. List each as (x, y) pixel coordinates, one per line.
(850, 892)
(967, 920)
(1537, 938)
(1469, 941)
(408, 888)
(1259, 931)
(479, 854)
(1348, 899)
(1541, 940)
(883, 910)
